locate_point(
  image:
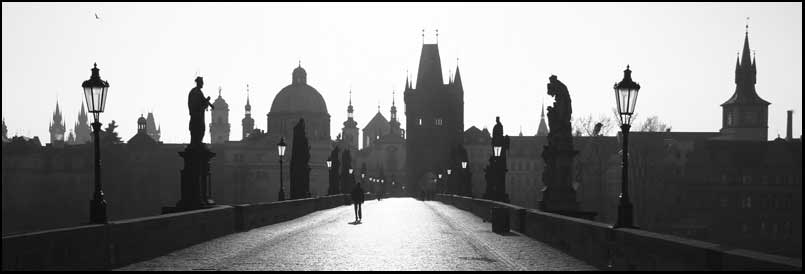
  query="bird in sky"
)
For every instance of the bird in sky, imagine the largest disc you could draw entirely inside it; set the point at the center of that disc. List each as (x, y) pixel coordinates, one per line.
(97, 17)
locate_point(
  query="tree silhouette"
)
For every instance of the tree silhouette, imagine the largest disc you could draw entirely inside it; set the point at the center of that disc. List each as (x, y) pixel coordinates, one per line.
(109, 136)
(300, 168)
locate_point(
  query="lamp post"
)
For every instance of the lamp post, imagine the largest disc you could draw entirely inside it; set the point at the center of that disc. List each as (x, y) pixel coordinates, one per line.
(497, 148)
(281, 152)
(439, 184)
(466, 182)
(330, 175)
(351, 180)
(448, 181)
(95, 93)
(625, 98)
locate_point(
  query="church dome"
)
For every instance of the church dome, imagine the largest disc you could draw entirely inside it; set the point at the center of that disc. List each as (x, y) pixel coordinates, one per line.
(299, 96)
(220, 103)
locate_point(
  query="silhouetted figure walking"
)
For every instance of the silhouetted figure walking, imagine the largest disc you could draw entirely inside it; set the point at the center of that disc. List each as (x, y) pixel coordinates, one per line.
(357, 200)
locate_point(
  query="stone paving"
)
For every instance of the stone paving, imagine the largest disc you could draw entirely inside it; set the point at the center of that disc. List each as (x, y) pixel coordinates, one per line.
(395, 234)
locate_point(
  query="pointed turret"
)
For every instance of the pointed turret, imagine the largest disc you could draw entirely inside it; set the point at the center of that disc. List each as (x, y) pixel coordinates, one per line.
(247, 123)
(457, 79)
(745, 114)
(429, 74)
(542, 130)
(746, 59)
(57, 127)
(350, 130)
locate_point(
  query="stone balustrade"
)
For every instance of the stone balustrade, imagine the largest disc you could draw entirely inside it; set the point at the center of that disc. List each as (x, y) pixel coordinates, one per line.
(623, 249)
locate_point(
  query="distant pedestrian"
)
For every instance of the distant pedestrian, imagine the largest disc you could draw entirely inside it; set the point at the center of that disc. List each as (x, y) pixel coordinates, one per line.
(357, 200)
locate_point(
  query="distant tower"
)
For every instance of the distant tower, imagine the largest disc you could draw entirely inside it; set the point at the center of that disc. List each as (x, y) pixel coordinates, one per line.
(141, 125)
(350, 131)
(745, 114)
(5, 130)
(151, 127)
(434, 113)
(542, 130)
(394, 123)
(57, 127)
(247, 123)
(219, 128)
(81, 128)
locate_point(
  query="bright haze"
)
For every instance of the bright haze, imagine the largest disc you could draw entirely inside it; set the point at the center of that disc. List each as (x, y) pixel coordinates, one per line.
(682, 54)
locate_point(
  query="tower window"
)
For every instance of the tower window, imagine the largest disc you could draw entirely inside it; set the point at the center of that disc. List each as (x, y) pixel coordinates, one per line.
(439, 121)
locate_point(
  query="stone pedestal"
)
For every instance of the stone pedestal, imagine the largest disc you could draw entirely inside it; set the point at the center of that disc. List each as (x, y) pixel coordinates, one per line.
(196, 188)
(559, 196)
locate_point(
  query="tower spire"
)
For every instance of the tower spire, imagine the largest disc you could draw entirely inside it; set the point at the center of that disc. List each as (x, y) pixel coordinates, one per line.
(437, 36)
(745, 59)
(423, 36)
(247, 94)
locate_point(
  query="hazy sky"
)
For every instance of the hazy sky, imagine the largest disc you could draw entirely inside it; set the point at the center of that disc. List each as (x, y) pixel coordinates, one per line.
(682, 54)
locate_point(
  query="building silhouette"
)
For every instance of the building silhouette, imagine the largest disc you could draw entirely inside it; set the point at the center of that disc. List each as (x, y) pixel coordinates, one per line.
(349, 133)
(434, 119)
(5, 131)
(219, 126)
(542, 129)
(745, 114)
(384, 153)
(81, 128)
(57, 128)
(300, 100)
(142, 138)
(247, 123)
(377, 126)
(151, 128)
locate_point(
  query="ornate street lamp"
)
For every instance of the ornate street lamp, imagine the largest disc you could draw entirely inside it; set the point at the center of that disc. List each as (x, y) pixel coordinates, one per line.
(281, 152)
(496, 149)
(626, 99)
(464, 178)
(95, 93)
(329, 163)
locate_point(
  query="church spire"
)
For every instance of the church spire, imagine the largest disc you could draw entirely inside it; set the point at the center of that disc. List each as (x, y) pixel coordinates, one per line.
(393, 107)
(248, 104)
(746, 59)
(542, 129)
(349, 108)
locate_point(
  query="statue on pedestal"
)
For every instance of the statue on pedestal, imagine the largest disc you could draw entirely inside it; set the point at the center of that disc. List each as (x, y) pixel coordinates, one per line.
(559, 196)
(196, 188)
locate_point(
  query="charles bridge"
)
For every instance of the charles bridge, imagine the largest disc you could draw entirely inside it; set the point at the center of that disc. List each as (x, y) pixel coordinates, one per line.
(399, 233)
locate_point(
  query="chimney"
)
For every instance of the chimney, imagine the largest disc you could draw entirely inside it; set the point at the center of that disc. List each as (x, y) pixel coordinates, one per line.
(788, 126)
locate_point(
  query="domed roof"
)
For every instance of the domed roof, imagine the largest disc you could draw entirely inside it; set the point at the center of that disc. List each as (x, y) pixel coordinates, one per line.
(299, 96)
(220, 103)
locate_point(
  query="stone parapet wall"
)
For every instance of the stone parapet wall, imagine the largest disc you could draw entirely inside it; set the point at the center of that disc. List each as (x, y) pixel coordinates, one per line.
(623, 249)
(119, 243)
